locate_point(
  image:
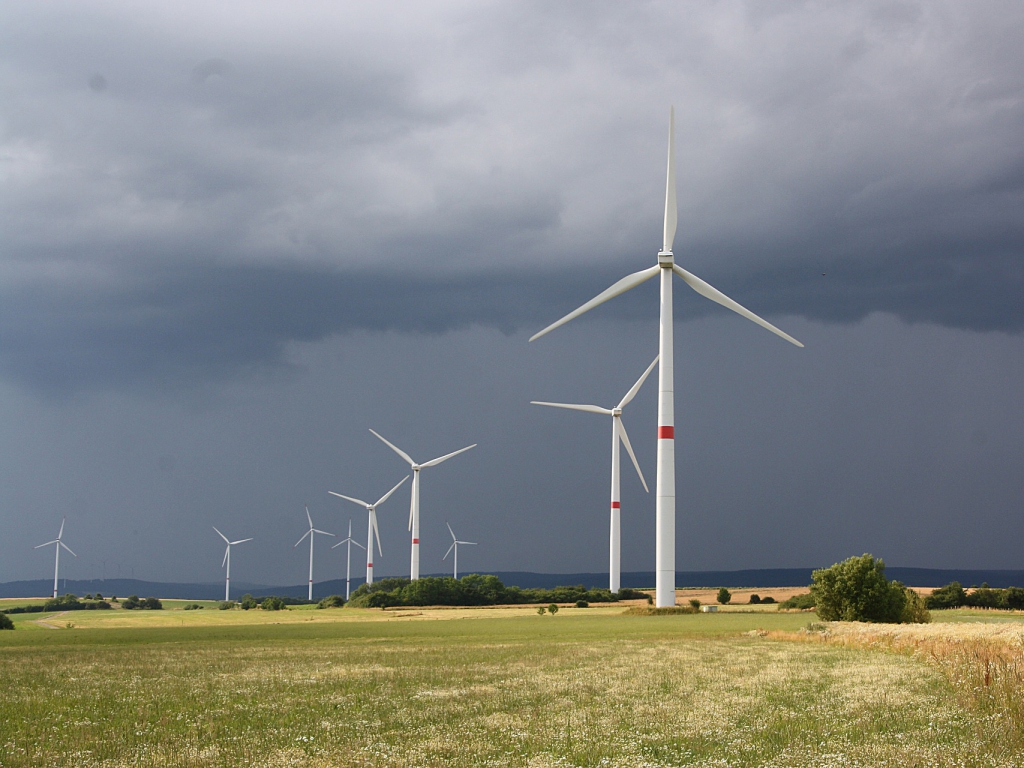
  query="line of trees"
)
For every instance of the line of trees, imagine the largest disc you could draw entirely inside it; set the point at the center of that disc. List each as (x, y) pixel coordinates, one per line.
(953, 595)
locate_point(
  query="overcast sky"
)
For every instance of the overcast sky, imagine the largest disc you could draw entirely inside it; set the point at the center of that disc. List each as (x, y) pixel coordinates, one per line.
(236, 236)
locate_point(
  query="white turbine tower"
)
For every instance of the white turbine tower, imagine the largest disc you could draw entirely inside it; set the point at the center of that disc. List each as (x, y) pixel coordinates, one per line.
(227, 561)
(618, 435)
(348, 556)
(56, 564)
(311, 533)
(455, 546)
(414, 504)
(372, 529)
(665, 504)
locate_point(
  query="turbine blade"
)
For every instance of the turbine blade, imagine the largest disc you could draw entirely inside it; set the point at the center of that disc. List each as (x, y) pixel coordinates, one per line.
(439, 459)
(325, 533)
(710, 292)
(623, 285)
(450, 530)
(219, 533)
(343, 541)
(629, 449)
(241, 541)
(349, 498)
(55, 541)
(354, 542)
(61, 543)
(573, 407)
(449, 551)
(303, 537)
(387, 495)
(639, 383)
(671, 209)
(468, 542)
(222, 562)
(61, 532)
(309, 518)
(376, 532)
(396, 449)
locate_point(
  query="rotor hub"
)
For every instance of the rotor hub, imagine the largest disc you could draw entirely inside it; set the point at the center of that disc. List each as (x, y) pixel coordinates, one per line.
(665, 259)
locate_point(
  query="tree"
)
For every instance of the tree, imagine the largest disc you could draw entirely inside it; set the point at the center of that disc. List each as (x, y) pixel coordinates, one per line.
(272, 604)
(950, 596)
(5, 621)
(152, 604)
(541, 610)
(755, 599)
(724, 596)
(552, 609)
(857, 590)
(695, 603)
(582, 604)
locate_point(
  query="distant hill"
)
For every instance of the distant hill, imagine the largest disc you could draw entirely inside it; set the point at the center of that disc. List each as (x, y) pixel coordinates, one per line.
(763, 577)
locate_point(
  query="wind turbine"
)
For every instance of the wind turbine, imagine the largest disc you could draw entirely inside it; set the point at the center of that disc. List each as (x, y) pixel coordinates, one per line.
(348, 558)
(455, 546)
(59, 543)
(372, 529)
(227, 561)
(665, 494)
(311, 535)
(618, 434)
(414, 504)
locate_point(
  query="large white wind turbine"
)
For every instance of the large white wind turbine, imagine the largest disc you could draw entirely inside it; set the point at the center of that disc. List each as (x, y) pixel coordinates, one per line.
(348, 556)
(455, 546)
(618, 435)
(414, 504)
(665, 503)
(311, 535)
(372, 529)
(227, 561)
(59, 543)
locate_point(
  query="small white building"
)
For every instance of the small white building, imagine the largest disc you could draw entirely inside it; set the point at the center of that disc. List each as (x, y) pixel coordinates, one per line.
(709, 609)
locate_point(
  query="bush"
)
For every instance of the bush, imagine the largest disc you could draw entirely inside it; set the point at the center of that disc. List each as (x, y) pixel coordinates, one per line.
(1014, 598)
(226, 605)
(272, 604)
(332, 601)
(131, 602)
(631, 594)
(582, 604)
(914, 611)
(755, 599)
(695, 603)
(768, 600)
(724, 596)
(857, 590)
(248, 602)
(541, 610)
(152, 604)
(552, 609)
(5, 621)
(950, 596)
(798, 602)
(192, 607)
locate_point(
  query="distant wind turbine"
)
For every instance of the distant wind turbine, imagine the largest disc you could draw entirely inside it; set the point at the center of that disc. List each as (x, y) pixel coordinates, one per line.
(455, 546)
(371, 525)
(414, 504)
(348, 542)
(618, 435)
(311, 533)
(227, 561)
(59, 543)
(665, 494)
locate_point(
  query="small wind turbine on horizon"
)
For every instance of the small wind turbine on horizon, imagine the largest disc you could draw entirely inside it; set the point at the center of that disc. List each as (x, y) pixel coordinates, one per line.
(227, 561)
(414, 503)
(348, 556)
(665, 493)
(371, 525)
(311, 533)
(56, 563)
(455, 546)
(618, 435)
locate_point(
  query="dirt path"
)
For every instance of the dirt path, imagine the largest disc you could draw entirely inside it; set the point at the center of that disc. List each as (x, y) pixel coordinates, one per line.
(46, 622)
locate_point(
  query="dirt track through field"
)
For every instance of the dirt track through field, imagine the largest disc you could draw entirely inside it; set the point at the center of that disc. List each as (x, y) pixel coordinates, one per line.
(46, 622)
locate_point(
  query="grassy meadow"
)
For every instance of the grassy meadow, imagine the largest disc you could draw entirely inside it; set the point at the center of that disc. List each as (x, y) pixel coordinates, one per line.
(433, 687)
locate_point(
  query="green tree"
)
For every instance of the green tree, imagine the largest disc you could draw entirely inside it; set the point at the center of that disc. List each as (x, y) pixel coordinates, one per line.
(695, 603)
(5, 621)
(552, 609)
(272, 604)
(755, 599)
(857, 590)
(950, 596)
(724, 596)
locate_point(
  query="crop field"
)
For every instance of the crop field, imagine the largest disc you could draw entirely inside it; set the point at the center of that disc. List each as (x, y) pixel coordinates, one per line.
(466, 687)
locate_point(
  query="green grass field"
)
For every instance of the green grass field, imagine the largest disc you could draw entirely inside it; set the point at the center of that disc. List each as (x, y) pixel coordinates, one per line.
(433, 687)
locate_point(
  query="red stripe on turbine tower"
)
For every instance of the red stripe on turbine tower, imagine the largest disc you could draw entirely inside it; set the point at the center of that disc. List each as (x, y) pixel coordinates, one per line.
(666, 433)
(615, 505)
(415, 541)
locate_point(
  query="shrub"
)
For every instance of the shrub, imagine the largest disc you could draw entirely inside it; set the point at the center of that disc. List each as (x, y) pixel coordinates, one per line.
(631, 594)
(541, 610)
(332, 601)
(695, 603)
(650, 600)
(552, 609)
(724, 596)
(88, 597)
(67, 602)
(768, 600)
(226, 605)
(130, 602)
(755, 599)
(914, 610)
(857, 590)
(950, 596)
(192, 607)
(582, 604)
(5, 621)
(99, 596)
(1014, 598)
(152, 604)
(248, 602)
(799, 602)
(986, 597)
(272, 604)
